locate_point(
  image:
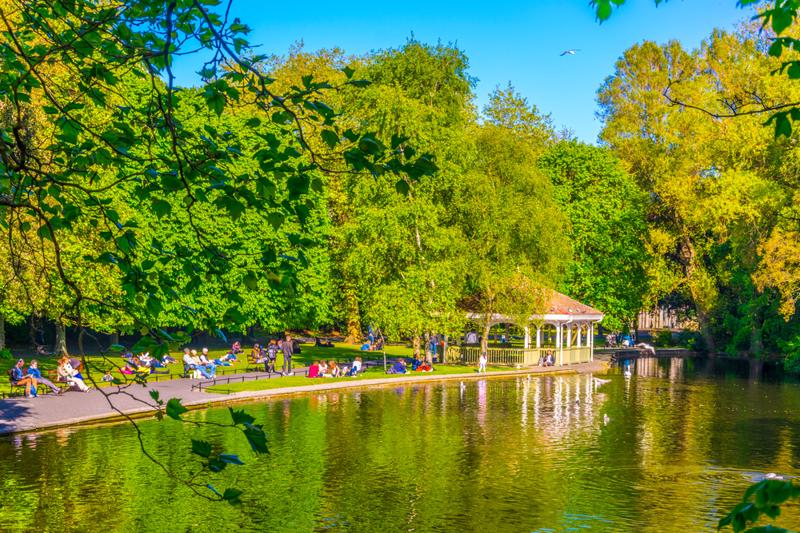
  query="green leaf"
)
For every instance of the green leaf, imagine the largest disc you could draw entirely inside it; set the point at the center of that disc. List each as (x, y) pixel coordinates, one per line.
(240, 417)
(201, 448)
(256, 437)
(781, 19)
(232, 495)
(330, 137)
(175, 409)
(215, 99)
(402, 187)
(603, 10)
(161, 208)
(250, 281)
(275, 220)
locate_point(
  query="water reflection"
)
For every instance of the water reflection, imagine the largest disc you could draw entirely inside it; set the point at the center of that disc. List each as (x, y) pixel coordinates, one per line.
(681, 441)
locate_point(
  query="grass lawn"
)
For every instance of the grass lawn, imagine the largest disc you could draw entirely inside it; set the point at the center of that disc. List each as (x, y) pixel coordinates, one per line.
(370, 373)
(341, 353)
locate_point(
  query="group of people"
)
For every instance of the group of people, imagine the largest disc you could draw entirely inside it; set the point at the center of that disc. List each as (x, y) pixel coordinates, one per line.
(200, 366)
(68, 371)
(417, 365)
(321, 369)
(268, 355)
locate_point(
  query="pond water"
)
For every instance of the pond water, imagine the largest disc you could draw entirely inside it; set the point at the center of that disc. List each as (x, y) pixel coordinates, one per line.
(669, 447)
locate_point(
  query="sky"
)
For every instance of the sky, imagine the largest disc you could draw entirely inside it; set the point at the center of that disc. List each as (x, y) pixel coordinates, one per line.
(512, 41)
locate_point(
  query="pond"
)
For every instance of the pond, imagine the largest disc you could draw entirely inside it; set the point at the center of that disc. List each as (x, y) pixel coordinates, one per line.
(668, 446)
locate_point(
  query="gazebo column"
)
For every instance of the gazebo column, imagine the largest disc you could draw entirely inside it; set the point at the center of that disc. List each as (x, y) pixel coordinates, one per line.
(527, 337)
(580, 328)
(591, 341)
(538, 336)
(569, 335)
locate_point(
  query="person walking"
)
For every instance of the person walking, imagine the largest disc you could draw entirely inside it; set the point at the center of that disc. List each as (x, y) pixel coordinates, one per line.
(287, 350)
(482, 363)
(272, 355)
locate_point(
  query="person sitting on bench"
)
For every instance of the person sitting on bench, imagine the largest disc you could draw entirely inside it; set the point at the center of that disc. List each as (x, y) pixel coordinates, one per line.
(35, 373)
(19, 379)
(66, 372)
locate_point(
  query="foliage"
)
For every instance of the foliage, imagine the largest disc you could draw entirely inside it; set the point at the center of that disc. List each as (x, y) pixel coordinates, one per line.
(513, 229)
(130, 202)
(760, 499)
(607, 230)
(663, 338)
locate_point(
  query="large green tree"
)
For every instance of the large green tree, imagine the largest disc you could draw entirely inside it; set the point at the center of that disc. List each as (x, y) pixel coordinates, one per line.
(607, 229)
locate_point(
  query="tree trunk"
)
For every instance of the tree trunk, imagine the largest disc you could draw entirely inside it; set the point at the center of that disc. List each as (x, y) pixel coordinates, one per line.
(353, 335)
(115, 337)
(80, 342)
(2, 331)
(688, 258)
(428, 354)
(61, 339)
(703, 320)
(32, 331)
(415, 340)
(756, 340)
(485, 339)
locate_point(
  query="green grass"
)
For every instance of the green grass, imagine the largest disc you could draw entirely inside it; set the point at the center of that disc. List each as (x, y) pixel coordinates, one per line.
(341, 353)
(370, 373)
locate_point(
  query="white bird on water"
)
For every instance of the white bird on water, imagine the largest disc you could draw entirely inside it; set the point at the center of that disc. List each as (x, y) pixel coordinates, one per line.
(570, 52)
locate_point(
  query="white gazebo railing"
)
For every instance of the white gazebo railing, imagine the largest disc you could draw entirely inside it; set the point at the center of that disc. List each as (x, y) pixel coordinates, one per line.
(519, 356)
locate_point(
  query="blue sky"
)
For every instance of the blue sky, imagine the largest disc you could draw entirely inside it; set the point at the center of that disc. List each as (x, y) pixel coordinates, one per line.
(514, 41)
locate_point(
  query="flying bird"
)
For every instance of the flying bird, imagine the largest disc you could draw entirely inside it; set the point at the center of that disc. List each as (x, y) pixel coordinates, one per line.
(570, 52)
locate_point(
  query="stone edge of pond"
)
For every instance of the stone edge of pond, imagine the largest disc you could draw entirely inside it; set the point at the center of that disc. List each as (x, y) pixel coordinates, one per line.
(218, 399)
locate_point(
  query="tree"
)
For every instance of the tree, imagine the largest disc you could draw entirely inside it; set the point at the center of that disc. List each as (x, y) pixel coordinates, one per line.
(709, 182)
(607, 229)
(514, 233)
(96, 132)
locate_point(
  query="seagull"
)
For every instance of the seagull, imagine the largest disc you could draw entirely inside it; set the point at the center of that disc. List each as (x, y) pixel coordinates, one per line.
(570, 52)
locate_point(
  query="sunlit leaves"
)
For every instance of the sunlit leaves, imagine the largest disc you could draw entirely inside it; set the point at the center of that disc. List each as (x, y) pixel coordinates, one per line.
(762, 498)
(175, 409)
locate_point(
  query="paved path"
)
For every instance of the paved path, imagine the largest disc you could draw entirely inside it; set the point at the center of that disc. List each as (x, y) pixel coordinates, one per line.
(29, 414)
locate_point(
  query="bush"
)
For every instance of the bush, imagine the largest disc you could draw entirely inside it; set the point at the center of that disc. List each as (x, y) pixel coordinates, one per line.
(791, 354)
(6, 354)
(690, 340)
(663, 338)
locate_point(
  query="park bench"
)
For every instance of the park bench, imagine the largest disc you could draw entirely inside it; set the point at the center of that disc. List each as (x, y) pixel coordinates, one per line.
(19, 390)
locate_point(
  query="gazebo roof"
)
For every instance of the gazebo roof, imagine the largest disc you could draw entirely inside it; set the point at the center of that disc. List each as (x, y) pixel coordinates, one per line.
(561, 304)
(561, 308)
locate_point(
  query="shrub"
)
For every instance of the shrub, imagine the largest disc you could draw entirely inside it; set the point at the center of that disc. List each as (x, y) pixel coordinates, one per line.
(663, 338)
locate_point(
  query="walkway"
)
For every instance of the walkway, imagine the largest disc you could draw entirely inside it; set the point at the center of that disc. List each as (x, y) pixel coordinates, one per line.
(49, 411)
